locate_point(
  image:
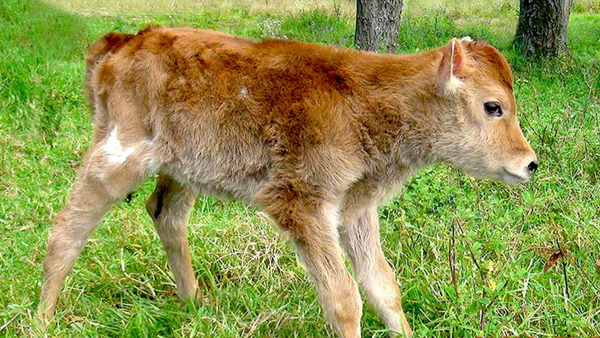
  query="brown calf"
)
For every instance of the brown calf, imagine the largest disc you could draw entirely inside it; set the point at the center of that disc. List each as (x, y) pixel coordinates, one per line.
(314, 135)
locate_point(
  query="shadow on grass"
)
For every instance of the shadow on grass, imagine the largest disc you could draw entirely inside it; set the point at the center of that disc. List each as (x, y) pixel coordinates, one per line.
(42, 48)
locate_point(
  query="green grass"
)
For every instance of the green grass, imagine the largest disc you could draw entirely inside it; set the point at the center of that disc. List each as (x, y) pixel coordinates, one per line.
(252, 282)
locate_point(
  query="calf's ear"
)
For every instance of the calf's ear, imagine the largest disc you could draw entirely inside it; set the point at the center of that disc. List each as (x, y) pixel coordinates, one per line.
(453, 67)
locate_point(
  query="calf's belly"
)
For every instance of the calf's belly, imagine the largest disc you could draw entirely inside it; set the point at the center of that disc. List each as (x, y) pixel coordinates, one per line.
(221, 176)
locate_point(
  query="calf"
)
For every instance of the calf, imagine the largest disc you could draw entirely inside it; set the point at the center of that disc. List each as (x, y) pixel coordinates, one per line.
(315, 136)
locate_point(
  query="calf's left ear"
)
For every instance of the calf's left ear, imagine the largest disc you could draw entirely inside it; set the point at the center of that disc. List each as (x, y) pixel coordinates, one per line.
(453, 67)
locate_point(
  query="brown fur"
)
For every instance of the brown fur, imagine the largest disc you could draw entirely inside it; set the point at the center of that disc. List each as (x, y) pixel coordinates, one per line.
(316, 136)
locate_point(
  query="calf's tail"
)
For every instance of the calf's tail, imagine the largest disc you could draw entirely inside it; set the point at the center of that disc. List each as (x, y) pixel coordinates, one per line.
(109, 43)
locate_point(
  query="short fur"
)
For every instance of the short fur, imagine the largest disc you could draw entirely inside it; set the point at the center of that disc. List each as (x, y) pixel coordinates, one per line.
(314, 135)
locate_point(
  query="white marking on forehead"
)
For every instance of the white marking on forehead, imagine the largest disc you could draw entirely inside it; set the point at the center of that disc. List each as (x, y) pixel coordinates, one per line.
(244, 91)
(115, 153)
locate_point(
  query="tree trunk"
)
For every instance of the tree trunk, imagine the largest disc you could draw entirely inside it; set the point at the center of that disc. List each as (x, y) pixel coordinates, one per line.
(378, 24)
(542, 28)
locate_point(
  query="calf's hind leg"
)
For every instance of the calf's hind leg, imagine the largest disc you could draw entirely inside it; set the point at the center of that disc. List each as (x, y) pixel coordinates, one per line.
(170, 206)
(109, 173)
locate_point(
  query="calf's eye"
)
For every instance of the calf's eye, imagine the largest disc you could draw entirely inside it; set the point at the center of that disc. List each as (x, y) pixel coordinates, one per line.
(493, 108)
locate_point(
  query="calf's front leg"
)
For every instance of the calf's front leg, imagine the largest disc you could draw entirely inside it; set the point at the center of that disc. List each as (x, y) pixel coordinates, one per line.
(360, 237)
(312, 225)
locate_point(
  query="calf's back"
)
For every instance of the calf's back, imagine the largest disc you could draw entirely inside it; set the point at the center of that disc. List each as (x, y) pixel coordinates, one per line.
(228, 114)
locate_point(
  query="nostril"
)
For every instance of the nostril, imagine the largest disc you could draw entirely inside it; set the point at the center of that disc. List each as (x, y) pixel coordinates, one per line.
(532, 167)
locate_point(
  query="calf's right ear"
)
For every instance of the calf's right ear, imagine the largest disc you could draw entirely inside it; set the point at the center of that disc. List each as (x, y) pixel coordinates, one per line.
(452, 68)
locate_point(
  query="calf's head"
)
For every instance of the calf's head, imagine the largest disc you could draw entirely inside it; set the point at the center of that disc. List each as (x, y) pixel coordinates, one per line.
(478, 130)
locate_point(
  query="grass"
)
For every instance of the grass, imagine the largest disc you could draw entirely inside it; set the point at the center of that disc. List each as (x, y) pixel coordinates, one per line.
(253, 284)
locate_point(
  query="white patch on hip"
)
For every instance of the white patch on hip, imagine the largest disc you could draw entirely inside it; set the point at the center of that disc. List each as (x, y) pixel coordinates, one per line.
(115, 153)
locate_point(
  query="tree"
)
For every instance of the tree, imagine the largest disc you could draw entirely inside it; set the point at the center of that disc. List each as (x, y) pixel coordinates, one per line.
(378, 24)
(542, 28)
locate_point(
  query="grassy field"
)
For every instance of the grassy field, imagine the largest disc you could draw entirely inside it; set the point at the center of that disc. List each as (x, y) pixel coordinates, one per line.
(253, 284)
